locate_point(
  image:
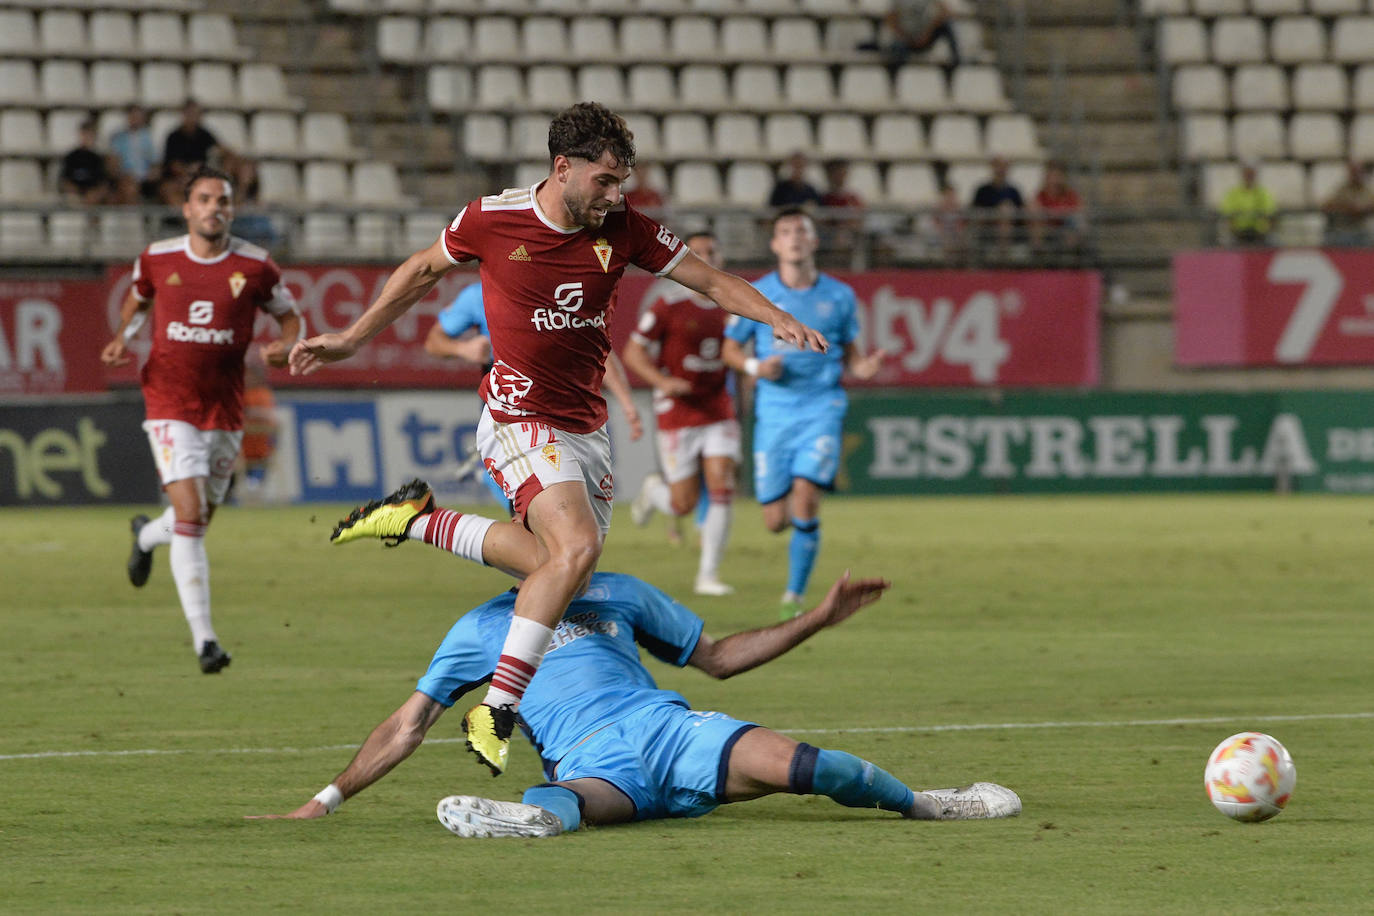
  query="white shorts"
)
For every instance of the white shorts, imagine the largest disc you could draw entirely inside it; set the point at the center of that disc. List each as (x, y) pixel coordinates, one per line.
(681, 450)
(525, 458)
(181, 451)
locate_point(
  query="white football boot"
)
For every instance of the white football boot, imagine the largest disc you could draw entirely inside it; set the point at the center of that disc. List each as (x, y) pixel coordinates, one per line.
(470, 816)
(982, 799)
(642, 506)
(710, 585)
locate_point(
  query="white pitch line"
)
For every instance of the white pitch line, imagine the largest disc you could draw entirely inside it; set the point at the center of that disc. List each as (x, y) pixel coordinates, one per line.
(887, 729)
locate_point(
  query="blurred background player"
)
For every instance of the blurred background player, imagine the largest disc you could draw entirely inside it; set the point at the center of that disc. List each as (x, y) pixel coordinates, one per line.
(259, 432)
(799, 405)
(676, 349)
(615, 747)
(205, 289)
(551, 258)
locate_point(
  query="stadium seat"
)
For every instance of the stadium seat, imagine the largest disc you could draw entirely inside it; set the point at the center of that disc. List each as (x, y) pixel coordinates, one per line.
(704, 88)
(796, 38)
(212, 84)
(324, 233)
(1259, 87)
(543, 38)
(1205, 136)
(21, 233)
(421, 230)
(867, 181)
(1336, 7)
(1362, 89)
(228, 127)
(696, 183)
(1164, 7)
(643, 38)
(161, 84)
(1217, 179)
(61, 127)
(325, 183)
(447, 38)
(62, 33)
(1257, 135)
(1210, 9)
(956, 136)
(1352, 37)
(592, 38)
(398, 39)
(824, 8)
(549, 87)
(161, 35)
(1181, 40)
(529, 136)
(843, 136)
(528, 174)
(808, 87)
(18, 82)
(278, 182)
(686, 136)
(21, 133)
(263, 86)
(113, 82)
(21, 180)
(449, 88)
(865, 87)
(1297, 40)
(1320, 87)
(273, 134)
(1315, 135)
(1027, 176)
(18, 32)
(784, 134)
(404, 6)
(747, 184)
(212, 36)
(494, 38)
(645, 128)
(965, 177)
(919, 87)
(737, 135)
(651, 87)
(485, 138)
(69, 232)
(1287, 181)
(845, 33)
(1238, 40)
(1266, 8)
(692, 38)
(377, 183)
(112, 34)
(602, 83)
(898, 136)
(756, 86)
(163, 123)
(743, 38)
(62, 82)
(1200, 87)
(911, 184)
(1323, 178)
(499, 87)
(1362, 137)
(120, 233)
(325, 135)
(978, 89)
(1012, 136)
(374, 234)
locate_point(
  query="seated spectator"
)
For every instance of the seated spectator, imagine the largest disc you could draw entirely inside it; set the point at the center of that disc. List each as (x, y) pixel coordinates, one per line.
(914, 27)
(838, 228)
(1349, 208)
(1249, 209)
(135, 154)
(793, 190)
(837, 192)
(189, 146)
(947, 226)
(1059, 210)
(1000, 206)
(85, 178)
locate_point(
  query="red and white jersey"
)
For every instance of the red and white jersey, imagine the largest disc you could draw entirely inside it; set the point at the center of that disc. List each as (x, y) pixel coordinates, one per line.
(549, 292)
(203, 315)
(683, 333)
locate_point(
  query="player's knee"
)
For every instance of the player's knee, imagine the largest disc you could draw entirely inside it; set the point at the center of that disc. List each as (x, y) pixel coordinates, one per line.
(777, 525)
(683, 505)
(578, 556)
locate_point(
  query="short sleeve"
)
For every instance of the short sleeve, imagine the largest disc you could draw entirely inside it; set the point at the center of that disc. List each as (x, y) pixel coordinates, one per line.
(142, 287)
(276, 298)
(650, 329)
(461, 236)
(464, 312)
(656, 249)
(463, 661)
(665, 627)
(740, 330)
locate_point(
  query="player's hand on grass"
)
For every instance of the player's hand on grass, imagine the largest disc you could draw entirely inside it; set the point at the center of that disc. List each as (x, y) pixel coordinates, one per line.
(312, 353)
(846, 596)
(308, 811)
(115, 353)
(787, 328)
(771, 368)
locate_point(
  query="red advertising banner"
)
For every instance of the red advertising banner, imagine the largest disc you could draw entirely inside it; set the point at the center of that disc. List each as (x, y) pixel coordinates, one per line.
(1282, 307)
(51, 333)
(942, 328)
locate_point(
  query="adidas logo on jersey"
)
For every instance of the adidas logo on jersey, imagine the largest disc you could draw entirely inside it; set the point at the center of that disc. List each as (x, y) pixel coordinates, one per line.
(520, 254)
(174, 279)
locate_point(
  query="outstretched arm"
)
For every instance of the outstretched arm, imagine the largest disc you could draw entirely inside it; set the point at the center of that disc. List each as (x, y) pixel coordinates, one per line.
(619, 384)
(390, 743)
(734, 294)
(751, 648)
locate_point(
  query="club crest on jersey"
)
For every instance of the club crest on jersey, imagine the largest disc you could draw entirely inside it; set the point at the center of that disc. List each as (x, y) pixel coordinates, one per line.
(551, 455)
(237, 281)
(603, 254)
(520, 254)
(174, 279)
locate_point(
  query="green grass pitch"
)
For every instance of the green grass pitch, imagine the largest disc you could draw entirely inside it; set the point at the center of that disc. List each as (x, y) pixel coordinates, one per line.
(1122, 637)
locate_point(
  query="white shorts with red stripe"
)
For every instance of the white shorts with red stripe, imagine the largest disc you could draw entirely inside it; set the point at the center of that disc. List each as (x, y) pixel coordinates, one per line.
(181, 451)
(681, 450)
(525, 458)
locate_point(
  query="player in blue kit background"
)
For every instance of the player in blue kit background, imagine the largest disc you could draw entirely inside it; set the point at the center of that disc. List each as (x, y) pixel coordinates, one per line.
(616, 748)
(799, 404)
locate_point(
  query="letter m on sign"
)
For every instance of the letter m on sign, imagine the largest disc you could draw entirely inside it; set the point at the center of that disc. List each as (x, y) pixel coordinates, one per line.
(340, 451)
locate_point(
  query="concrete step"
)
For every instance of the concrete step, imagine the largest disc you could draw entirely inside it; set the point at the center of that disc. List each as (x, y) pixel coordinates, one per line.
(1141, 187)
(1079, 12)
(1083, 48)
(1119, 96)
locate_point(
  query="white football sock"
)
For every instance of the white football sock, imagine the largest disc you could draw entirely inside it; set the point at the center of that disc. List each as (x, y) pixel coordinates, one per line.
(660, 497)
(191, 572)
(158, 531)
(457, 532)
(715, 532)
(526, 643)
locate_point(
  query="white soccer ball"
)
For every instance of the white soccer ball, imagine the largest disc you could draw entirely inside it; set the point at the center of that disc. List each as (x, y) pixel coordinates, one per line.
(1250, 777)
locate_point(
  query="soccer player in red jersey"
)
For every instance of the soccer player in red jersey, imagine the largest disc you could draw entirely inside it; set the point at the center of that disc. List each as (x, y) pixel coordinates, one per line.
(205, 289)
(551, 258)
(677, 349)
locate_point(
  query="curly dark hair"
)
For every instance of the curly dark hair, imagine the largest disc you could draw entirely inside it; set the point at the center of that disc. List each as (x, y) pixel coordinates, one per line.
(589, 129)
(204, 171)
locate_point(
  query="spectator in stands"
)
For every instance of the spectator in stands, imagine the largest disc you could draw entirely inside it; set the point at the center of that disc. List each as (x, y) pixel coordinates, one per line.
(837, 191)
(641, 192)
(842, 221)
(1058, 224)
(191, 145)
(915, 26)
(135, 154)
(1249, 209)
(946, 227)
(86, 178)
(793, 190)
(999, 205)
(1349, 208)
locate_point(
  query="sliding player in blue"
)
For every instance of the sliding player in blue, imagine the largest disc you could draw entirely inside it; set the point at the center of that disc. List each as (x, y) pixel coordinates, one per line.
(615, 748)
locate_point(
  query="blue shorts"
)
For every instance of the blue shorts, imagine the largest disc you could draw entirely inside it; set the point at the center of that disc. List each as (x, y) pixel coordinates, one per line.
(806, 446)
(669, 760)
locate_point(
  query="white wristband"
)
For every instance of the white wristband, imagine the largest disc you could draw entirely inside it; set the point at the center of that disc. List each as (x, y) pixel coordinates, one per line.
(751, 366)
(330, 797)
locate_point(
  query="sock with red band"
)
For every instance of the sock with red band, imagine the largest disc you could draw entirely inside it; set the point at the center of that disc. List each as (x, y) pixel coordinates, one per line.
(520, 657)
(456, 532)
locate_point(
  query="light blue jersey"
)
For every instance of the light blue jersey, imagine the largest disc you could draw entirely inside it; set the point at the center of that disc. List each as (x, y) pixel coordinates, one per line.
(465, 312)
(810, 380)
(592, 674)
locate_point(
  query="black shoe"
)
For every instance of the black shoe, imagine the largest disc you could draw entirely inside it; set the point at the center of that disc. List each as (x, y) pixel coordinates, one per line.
(213, 659)
(140, 560)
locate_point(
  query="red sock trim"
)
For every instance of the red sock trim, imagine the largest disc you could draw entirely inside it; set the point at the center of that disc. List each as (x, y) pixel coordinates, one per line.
(513, 675)
(189, 529)
(442, 524)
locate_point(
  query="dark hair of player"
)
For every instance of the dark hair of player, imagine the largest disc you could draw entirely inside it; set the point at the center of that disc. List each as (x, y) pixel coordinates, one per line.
(587, 130)
(788, 213)
(204, 171)
(699, 234)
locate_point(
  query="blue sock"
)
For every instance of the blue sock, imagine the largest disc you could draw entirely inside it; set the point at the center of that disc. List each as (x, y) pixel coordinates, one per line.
(703, 503)
(801, 553)
(562, 802)
(847, 779)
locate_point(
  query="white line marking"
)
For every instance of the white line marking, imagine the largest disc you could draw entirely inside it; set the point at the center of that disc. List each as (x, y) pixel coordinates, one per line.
(889, 729)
